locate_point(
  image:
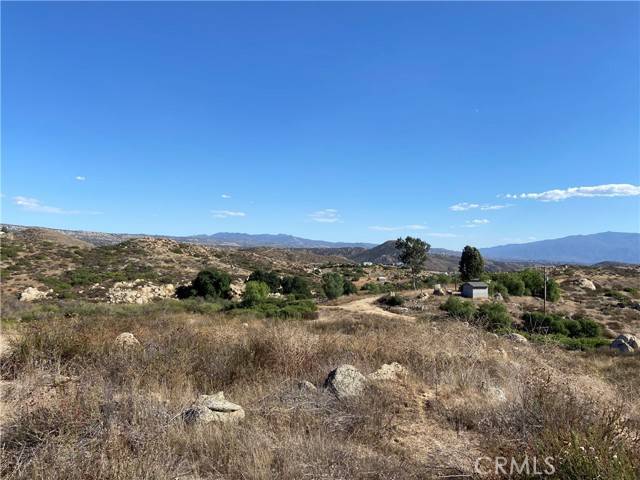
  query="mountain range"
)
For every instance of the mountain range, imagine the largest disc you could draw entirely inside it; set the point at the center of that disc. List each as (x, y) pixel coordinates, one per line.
(578, 249)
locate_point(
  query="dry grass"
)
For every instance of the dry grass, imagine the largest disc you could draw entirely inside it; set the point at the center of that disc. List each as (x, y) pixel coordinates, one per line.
(119, 420)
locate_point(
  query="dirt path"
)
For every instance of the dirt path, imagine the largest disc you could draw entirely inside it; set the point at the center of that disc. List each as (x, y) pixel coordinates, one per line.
(366, 305)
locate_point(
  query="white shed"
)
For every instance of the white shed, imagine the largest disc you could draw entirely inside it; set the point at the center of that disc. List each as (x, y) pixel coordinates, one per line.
(474, 290)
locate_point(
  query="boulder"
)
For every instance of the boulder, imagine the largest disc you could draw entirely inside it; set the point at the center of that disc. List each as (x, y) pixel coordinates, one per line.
(626, 343)
(213, 408)
(586, 284)
(438, 290)
(126, 341)
(31, 294)
(498, 297)
(139, 291)
(345, 381)
(516, 337)
(307, 386)
(388, 371)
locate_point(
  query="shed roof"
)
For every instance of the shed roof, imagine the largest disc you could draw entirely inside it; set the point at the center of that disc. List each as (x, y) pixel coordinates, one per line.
(477, 284)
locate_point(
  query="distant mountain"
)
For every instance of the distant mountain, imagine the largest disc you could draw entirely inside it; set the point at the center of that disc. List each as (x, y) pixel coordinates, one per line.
(579, 249)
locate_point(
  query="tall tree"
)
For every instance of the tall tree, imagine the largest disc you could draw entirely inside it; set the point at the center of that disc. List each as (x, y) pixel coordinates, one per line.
(471, 264)
(413, 253)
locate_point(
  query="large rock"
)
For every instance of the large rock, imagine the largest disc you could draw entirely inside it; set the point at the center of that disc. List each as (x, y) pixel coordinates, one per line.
(438, 290)
(139, 291)
(498, 297)
(586, 284)
(126, 341)
(345, 381)
(626, 343)
(32, 294)
(388, 371)
(213, 408)
(516, 337)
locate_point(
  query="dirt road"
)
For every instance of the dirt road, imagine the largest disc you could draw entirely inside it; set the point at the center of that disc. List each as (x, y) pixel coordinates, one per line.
(366, 305)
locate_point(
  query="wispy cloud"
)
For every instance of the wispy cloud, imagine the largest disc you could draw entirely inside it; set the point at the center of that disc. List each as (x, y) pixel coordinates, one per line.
(80, 178)
(379, 228)
(556, 195)
(464, 206)
(227, 213)
(328, 215)
(34, 205)
(476, 222)
(225, 195)
(441, 235)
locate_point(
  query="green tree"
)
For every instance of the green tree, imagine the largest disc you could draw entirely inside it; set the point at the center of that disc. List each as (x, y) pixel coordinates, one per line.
(471, 264)
(270, 278)
(295, 285)
(413, 253)
(349, 288)
(332, 284)
(212, 283)
(255, 292)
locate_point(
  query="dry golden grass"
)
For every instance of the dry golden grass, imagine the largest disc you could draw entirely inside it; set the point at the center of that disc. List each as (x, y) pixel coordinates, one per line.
(120, 419)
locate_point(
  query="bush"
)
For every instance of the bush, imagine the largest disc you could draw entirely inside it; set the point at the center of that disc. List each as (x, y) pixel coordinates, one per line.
(297, 286)
(578, 327)
(511, 281)
(457, 308)
(255, 292)
(534, 284)
(270, 278)
(332, 285)
(495, 287)
(494, 316)
(209, 284)
(349, 288)
(391, 300)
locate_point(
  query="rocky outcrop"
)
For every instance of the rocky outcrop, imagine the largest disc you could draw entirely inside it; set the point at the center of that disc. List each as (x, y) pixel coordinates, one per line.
(345, 381)
(516, 337)
(139, 291)
(585, 284)
(213, 408)
(31, 294)
(626, 343)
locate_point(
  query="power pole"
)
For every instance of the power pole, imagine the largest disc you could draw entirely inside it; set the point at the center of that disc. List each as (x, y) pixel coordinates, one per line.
(545, 290)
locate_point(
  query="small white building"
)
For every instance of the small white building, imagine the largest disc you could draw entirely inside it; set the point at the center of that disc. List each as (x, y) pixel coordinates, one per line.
(474, 290)
(367, 264)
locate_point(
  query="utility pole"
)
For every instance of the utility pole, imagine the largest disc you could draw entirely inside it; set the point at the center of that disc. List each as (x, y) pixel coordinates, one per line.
(545, 290)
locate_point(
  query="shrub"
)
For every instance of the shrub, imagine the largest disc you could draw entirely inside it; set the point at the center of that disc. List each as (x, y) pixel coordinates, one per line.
(578, 327)
(255, 292)
(391, 300)
(209, 284)
(270, 278)
(349, 288)
(495, 287)
(297, 286)
(511, 281)
(494, 316)
(332, 285)
(534, 284)
(457, 308)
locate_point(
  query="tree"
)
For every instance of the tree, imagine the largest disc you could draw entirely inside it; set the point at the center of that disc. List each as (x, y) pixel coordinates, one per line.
(413, 253)
(349, 288)
(471, 264)
(255, 292)
(332, 285)
(270, 278)
(298, 286)
(212, 283)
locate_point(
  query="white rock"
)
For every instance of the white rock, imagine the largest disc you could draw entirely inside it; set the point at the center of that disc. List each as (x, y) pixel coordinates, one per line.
(516, 337)
(139, 291)
(388, 371)
(586, 284)
(626, 343)
(213, 408)
(126, 341)
(32, 294)
(345, 381)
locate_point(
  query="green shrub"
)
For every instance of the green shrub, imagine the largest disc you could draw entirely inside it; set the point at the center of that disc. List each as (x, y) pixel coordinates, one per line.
(371, 287)
(332, 285)
(391, 300)
(349, 288)
(209, 284)
(511, 281)
(457, 308)
(270, 278)
(577, 327)
(534, 284)
(297, 286)
(255, 292)
(495, 287)
(494, 316)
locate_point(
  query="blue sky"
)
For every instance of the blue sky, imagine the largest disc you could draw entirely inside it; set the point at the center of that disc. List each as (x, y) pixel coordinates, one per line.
(335, 121)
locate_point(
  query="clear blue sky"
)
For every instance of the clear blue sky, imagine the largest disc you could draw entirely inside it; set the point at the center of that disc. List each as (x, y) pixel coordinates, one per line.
(335, 121)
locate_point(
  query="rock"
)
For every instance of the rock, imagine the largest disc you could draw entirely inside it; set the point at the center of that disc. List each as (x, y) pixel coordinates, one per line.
(423, 295)
(586, 284)
(139, 291)
(32, 294)
(388, 371)
(237, 288)
(307, 386)
(496, 394)
(626, 343)
(345, 381)
(213, 408)
(126, 341)
(498, 297)
(438, 290)
(516, 337)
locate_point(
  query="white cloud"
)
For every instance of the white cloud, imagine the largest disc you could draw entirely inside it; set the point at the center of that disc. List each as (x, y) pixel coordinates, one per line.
(441, 235)
(328, 215)
(476, 223)
(556, 195)
(227, 213)
(80, 178)
(395, 229)
(225, 195)
(464, 206)
(34, 205)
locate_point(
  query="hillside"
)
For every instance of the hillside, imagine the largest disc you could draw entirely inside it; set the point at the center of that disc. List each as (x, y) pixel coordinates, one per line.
(579, 249)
